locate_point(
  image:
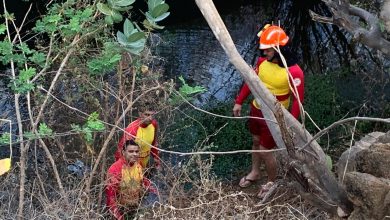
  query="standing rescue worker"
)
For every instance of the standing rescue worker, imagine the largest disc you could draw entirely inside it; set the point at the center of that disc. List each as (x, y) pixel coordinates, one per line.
(144, 129)
(277, 80)
(125, 181)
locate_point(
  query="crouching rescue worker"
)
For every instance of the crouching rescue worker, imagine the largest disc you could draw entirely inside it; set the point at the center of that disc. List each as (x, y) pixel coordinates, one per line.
(126, 183)
(286, 86)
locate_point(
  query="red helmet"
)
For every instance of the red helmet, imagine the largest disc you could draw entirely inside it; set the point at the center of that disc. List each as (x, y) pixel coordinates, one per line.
(272, 36)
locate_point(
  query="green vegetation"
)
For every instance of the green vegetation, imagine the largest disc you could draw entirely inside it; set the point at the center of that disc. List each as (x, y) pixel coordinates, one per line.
(343, 94)
(185, 92)
(22, 83)
(74, 61)
(131, 39)
(193, 130)
(93, 124)
(75, 40)
(322, 101)
(60, 68)
(5, 139)
(43, 132)
(327, 100)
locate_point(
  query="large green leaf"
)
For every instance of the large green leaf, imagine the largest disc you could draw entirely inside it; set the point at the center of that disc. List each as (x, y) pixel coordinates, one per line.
(117, 8)
(103, 8)
(153, 3)
(128, 28)
(149, 17)
(136, 36)
(122, 3)
(135, 51)
(150, 24)
(116, 16)
(162, 17)
(135, 44)
(109, 20)
(121, 38)
(110, 3)
(159, 10)
(185, 89)
(3, 28)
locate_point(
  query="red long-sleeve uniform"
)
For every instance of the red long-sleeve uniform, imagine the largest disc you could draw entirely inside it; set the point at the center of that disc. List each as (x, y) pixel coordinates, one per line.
(124, 185)
(278, 82)
(145, 136)
(275, 79)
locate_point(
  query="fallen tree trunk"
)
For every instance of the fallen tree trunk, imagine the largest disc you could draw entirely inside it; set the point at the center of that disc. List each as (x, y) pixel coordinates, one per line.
(286, 130)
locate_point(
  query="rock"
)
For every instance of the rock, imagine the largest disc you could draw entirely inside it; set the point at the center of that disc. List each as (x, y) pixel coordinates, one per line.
(375, 160)
(369, 194)
(367, 178)
(78, 168)
(384, 138)
(349, 155)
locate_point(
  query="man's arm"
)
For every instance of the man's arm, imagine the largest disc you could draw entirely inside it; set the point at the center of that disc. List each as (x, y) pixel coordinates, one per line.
(243, 94)
(245, 91)
(111, 193)
(298, 82)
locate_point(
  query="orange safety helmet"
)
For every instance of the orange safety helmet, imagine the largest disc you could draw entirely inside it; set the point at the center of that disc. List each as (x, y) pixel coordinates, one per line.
(272, 36)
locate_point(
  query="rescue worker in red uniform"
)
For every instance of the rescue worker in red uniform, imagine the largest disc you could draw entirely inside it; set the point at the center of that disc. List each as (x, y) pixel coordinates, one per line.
(279, 82)
(125, 182)
(144, 132)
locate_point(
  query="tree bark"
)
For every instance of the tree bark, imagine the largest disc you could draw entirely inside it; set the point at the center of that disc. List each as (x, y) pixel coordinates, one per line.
(385, 15)
(283, 126)
(370, 36)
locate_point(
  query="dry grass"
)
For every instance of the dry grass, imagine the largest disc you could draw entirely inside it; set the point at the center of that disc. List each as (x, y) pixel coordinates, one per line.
(188, 191)
(209, 198)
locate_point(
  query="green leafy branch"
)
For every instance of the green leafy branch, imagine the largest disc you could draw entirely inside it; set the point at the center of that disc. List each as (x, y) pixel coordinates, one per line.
(43, 132)
(107, 61)
(5, 139)
(132, 39)
(113, 10)
(158, 11)
(186, 91)
(93, 124)
(22, 83)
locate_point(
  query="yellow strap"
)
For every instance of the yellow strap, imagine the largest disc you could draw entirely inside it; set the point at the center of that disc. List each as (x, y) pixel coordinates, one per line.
(262, 30)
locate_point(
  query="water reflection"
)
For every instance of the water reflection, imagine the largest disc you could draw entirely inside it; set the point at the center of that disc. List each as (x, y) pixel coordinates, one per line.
(193, 51)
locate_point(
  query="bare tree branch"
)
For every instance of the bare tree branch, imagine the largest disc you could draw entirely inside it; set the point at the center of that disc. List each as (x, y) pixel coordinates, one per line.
(325, 130)
(344, 17)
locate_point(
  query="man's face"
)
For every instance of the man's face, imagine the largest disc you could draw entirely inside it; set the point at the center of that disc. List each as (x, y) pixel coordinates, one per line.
(131, 153)
(269, 54)
(146, 117)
